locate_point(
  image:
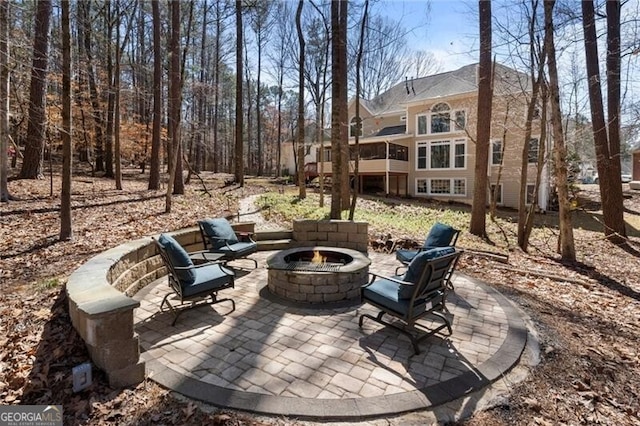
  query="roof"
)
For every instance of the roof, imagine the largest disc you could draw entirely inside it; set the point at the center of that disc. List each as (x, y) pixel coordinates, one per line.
(451, 83)
(392, 130)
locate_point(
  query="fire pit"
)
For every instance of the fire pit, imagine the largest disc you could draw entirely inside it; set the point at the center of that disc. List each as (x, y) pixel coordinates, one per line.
(317, 275)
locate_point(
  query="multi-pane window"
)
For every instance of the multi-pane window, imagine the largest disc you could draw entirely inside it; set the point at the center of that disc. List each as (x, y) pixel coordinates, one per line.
(444, 154)
(498, 193)
(440, 118)
(496, 152)
(422, 124)
(440, 158)
(459, 187)
(441, 186)
(356, 126)
(460, 155)
(421, 186)
(422, 156)
(461, 120)
(534, 145)
(530, 190)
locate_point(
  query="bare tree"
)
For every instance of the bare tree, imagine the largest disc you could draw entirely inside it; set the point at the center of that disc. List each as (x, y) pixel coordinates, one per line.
(4, 100)
(485, 99)
(356, 183)
(66, 229)
(301, 180)
(607, 147)
(239, 156)
(34, 147)
(566, 243)
(175, 101)
(154, 169)
(339, 117)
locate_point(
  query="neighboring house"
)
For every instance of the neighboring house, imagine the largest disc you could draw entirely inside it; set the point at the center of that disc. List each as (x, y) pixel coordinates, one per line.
(289, 152)
(417, 138)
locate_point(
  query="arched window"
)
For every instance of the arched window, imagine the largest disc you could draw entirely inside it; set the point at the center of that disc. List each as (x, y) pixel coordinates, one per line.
(355, 126)
(440, 118)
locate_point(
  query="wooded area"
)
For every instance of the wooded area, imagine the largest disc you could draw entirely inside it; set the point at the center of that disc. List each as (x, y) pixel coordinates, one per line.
(94, 92)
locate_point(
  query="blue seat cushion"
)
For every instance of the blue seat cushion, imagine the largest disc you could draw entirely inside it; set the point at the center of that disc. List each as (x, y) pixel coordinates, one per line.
(219, 230)
(384, 293)
(208, 279)
(239, 249)
(406, 256)
(440, 235)
(417, 266)
(179, 258)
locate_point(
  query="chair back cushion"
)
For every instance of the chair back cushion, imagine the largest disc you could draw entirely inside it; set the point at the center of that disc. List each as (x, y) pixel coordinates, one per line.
(440, 235)
(416, 269)
(219, 230)
(178, 257)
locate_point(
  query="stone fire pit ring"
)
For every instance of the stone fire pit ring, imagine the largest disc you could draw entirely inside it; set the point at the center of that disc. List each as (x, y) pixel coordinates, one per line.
(322, 287)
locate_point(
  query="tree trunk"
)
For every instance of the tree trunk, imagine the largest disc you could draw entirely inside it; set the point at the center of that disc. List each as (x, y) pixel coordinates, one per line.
(610, 184)
(156, 144)
(239, 151)
(34, 146)
(4, 100)
(175, 97)
(485, 98)
(356, 184)
(174, 107)
(85, 8)
(567, 247)
(339, 126)
(66, 229)
(301, 181)
(108, 141)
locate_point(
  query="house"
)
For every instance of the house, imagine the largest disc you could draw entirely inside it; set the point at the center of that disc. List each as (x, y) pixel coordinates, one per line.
(417, 138)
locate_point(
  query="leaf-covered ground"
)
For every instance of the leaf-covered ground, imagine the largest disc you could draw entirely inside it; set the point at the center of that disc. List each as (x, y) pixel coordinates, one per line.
(587, 314)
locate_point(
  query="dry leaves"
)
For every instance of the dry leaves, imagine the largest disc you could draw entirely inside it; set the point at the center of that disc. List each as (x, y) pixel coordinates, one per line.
(587, 314)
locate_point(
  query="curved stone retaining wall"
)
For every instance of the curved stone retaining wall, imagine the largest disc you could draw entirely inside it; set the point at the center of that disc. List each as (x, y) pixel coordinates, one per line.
(99, 291)
(102, 311)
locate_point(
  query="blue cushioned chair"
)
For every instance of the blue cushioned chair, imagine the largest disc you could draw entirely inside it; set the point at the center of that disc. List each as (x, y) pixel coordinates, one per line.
(421, 291)
(194, 285)
(440, 235)
(219, 237)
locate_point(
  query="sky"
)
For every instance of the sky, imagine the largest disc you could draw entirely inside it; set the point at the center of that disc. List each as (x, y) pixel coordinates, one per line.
(446, 28)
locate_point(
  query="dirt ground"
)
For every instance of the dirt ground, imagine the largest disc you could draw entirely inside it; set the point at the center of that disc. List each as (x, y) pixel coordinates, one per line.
(587, 313)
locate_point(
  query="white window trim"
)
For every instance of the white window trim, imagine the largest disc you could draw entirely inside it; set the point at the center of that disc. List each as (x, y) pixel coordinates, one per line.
(491, 153)
(439, 194)
(426, 115)
(538, 138)
(361, 127)
(501, 191)
(452, 153)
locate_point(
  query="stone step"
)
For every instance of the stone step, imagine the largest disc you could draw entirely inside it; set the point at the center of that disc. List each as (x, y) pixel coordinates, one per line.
(280, 234)
(280, 244)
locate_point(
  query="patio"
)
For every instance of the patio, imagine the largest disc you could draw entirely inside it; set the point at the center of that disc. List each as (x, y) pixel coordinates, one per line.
(279, 358)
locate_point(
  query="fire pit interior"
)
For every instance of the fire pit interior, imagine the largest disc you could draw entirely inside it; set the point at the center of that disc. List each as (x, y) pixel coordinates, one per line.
(318, 275)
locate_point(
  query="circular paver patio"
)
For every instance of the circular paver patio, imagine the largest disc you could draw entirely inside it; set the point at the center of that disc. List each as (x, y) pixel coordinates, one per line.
(275, 358)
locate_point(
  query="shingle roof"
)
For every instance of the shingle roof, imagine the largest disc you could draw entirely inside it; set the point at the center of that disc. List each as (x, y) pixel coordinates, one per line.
(462, 80)
(392, 130)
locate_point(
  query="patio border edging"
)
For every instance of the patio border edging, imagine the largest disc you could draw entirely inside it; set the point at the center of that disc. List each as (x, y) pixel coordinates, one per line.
(351, 409)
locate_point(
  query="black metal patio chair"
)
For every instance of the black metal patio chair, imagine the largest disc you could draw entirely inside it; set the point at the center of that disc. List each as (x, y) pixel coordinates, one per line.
(193, 285)
(420, 292)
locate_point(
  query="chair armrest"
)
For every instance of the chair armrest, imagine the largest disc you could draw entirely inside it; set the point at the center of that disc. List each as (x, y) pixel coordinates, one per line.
(245, 236)
(395, 280)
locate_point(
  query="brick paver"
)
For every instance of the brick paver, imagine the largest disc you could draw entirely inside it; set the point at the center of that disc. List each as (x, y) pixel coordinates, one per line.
(279, 350)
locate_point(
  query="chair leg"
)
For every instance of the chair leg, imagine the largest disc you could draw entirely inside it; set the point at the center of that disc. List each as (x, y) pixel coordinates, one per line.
(187, 305)
(414, 331)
